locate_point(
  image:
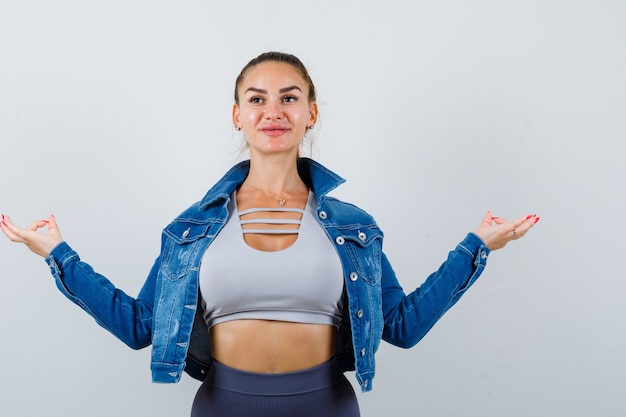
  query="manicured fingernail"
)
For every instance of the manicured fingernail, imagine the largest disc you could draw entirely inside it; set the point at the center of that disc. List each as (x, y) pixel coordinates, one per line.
(494, 218)
(530, 216)
(45, 221)
(537, 219)
(3, 223)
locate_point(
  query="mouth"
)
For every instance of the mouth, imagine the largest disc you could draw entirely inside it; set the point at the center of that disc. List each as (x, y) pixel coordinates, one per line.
(274, 130)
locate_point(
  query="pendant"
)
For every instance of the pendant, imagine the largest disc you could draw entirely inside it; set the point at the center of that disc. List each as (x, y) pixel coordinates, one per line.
(281, 201)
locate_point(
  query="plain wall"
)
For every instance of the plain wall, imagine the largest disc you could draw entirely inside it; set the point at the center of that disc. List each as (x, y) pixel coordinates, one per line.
(115, 116)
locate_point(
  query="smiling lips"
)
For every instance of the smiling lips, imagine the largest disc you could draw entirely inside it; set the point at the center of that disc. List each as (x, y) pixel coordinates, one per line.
(274, 130)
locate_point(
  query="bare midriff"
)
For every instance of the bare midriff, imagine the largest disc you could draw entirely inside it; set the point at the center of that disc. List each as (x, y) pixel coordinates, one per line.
(267, 346)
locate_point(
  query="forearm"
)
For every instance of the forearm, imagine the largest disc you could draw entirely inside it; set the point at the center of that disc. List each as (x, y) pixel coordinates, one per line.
(409, 317)
(127, 318)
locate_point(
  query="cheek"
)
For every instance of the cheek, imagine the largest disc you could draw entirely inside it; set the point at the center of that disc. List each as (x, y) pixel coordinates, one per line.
(250, 117)
(300, 116)
(296, 118)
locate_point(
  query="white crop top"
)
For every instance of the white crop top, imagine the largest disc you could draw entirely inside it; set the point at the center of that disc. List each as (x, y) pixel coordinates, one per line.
(302, 283)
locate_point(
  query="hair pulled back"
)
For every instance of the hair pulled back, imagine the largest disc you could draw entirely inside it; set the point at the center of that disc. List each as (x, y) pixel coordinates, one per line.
(276, 57)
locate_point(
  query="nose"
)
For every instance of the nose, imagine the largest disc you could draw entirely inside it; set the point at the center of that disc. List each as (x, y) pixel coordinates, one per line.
(273, 110)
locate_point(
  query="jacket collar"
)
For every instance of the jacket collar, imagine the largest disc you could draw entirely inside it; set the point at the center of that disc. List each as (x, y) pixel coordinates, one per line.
(316, 176)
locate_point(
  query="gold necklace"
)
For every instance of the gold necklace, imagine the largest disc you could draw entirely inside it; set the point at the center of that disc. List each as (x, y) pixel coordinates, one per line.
(281, 201)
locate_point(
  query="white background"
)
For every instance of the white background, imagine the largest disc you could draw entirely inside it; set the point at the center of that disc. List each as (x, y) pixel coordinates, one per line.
(115, 116)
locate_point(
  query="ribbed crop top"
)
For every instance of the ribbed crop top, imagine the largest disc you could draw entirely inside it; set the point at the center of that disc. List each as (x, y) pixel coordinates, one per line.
(302, 283)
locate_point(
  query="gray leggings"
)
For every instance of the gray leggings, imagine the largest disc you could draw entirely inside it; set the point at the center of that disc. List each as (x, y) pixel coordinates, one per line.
(319, 391)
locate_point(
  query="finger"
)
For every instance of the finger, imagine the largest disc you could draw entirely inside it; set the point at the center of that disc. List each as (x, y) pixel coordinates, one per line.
(523, 224)
(4, 227)
(7, 223)
(34, 226)
(5, 220)
(498, 220)
(10, 230)
(10, 235)
(518, 222)
(530, 222)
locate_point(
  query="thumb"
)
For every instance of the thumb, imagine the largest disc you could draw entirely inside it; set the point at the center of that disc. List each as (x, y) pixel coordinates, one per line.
(53, 228)
(487, 220)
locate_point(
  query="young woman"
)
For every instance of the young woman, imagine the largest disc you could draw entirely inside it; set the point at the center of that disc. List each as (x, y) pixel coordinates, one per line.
(268, 289)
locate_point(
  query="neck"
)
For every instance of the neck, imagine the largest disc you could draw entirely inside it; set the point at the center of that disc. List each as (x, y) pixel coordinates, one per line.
(275, 175)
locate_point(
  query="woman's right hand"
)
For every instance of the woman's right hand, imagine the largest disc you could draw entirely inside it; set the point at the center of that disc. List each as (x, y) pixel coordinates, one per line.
(40, 243)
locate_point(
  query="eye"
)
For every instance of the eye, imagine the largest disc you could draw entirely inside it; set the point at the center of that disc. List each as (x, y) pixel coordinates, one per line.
(255, 100)
(290, 99)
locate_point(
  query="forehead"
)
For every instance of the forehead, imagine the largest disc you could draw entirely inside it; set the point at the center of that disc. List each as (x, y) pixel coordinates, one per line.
(272, 73)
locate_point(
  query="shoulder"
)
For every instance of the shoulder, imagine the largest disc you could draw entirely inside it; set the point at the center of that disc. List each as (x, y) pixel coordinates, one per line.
(192, 212)
(343, 212)
(196, 221)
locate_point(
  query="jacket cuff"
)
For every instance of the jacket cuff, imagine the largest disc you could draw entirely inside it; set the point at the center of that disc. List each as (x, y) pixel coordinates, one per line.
(475, 245)
(59, 256)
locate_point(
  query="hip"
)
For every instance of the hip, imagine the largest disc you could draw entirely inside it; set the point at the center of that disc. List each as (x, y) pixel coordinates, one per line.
(322, 390)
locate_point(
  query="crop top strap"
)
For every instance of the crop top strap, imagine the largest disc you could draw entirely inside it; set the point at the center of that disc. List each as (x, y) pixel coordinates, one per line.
(266, 209)
(271, 221)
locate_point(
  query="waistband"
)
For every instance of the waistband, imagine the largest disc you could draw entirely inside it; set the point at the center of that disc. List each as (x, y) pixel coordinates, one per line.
(297, 382)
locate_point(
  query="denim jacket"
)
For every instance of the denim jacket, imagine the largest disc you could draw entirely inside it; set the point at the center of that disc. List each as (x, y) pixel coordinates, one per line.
(167, 312)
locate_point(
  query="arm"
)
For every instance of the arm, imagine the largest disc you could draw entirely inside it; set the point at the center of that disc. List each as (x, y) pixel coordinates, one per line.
(409, 317)
(127, 318)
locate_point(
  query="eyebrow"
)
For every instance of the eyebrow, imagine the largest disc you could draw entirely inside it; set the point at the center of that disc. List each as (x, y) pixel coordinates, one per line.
(282, 90)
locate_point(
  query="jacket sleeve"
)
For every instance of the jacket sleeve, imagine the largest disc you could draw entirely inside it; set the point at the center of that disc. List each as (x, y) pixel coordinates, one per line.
(128, 318)
(407, 318)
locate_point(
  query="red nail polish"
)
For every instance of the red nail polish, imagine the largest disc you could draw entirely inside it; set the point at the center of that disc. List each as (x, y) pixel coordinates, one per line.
(537, 219)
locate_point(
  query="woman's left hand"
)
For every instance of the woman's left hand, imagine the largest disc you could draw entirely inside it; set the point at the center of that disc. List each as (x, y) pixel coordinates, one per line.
(498, 235)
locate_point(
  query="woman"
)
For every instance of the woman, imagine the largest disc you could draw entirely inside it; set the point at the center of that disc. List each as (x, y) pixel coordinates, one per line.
(267, 289)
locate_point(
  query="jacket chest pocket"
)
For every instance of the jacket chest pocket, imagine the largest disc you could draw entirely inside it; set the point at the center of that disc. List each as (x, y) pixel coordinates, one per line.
(183, 244)
(362, 254)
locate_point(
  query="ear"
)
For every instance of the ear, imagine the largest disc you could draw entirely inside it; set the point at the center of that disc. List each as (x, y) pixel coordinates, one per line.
(236, 119)
(313, 113)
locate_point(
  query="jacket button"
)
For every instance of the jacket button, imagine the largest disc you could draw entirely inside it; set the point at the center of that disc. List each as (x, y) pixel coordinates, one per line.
(362, 352)
(483, 254)
(366, 383)
(362, 236)
(359, 313)
(340, 240)
(186, 232)
(323, 215)
(354, 276)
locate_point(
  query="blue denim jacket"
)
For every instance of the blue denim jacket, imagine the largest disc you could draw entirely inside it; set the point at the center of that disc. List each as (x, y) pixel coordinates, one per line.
(166, 312)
